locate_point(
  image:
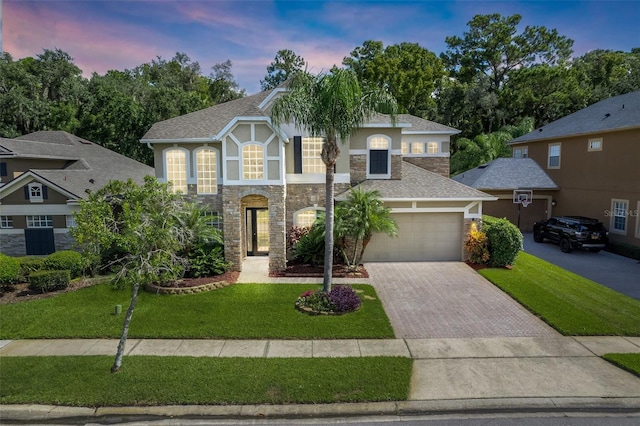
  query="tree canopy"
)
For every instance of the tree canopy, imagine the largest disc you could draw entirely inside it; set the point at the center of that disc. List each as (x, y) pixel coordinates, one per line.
(285, 64)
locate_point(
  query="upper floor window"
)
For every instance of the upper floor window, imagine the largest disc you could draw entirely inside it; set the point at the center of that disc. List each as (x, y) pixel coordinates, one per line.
(207, 171)
(6, 221)
(417, 148)
(70, 221)
(379, 152)
(554, 156)
(595, 144)
(3, 170)
(311, 156)
(35, 192)
(252, 162)
(405, 148)
(39, 221)
(432, 148)
(176, 168)
(521, 152)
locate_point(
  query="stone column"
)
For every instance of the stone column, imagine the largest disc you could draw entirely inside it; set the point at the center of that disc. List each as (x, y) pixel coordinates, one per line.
(277, 228)
(232, 226)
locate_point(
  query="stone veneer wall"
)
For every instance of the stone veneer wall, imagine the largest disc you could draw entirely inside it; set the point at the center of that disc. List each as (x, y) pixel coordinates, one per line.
(235, 200)
(396, 167)
(302, 195)
(358, 168)
(439, 165)
(63, 241)
(13, 245)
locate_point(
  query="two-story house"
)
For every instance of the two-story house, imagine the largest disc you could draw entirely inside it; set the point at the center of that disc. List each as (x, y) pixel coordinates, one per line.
(262, 180)
(43, 176)
(593, 155)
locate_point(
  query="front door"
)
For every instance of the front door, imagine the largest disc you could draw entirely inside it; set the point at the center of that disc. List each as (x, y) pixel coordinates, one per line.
(257, 231)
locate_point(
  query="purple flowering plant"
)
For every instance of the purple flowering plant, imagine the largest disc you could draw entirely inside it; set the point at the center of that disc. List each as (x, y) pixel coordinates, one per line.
(341, 299)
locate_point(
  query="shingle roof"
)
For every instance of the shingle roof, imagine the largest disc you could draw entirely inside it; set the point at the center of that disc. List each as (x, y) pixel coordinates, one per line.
(420, 124)
(208, 122)
(86, 160)
(617, 113)
(420, 184)
(507, 173)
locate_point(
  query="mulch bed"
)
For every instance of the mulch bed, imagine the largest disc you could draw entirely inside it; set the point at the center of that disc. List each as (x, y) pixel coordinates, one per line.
(302, 271)
(22, 293)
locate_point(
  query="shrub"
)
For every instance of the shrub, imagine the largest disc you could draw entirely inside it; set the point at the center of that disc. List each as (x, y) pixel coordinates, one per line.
(477, 246)
(341, 299)
(30, 264)
(49, 280)
(505, 241)
(310, 247)
(9, 270)
(66, 260)
(344, 298)
(294, 235)
(205, 262)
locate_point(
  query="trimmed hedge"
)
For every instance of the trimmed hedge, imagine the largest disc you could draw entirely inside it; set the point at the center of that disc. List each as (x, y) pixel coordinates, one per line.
(9, 270)
(45, 280)
(29, 264)
(65, 260)
(505, 241)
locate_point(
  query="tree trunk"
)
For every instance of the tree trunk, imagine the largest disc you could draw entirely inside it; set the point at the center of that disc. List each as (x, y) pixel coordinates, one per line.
(330, 152)
(365, 242)
(125, 329)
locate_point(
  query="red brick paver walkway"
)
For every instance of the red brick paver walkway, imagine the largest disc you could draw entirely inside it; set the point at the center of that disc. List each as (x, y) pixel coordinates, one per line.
(449, 300)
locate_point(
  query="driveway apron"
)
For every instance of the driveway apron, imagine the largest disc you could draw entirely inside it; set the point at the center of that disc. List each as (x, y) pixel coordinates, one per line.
(449, 300)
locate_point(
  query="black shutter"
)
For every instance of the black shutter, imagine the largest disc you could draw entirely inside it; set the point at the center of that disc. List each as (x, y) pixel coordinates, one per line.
(378, 162)
(297, 154)
(3, 169)
(26, 192)
(45, 194)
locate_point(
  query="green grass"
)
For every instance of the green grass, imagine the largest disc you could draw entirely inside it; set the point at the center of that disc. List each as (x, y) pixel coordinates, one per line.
(148, 380)
(573, 305)
(629, 362)
(241, 311)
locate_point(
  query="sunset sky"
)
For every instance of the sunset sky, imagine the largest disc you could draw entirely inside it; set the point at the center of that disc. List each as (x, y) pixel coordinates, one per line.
(104, 35)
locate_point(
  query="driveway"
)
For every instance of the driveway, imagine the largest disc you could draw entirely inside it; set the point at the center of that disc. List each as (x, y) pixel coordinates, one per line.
(616, 272)
(449, 300)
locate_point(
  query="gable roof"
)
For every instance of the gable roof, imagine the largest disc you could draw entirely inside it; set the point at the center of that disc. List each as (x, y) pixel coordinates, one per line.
(420, 184)
(507, 173)
(616, 113)
(207, 125)
(89, 166)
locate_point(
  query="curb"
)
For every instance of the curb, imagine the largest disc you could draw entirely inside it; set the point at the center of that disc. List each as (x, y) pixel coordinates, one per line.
(27, 414)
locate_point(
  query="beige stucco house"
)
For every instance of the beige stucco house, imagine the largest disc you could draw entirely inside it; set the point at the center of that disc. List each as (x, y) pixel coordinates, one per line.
(262, 180)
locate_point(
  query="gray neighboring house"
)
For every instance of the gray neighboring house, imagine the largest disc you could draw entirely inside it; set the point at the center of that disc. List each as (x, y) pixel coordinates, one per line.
(43, 175)
(262, 180)
(501, 177)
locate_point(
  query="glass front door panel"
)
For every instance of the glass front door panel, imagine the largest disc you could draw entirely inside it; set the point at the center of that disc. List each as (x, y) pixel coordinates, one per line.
(262, 222)
(257, 231)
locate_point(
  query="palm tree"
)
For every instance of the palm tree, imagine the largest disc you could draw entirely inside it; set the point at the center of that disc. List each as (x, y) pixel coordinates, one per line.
(361, 215)
(330, 105)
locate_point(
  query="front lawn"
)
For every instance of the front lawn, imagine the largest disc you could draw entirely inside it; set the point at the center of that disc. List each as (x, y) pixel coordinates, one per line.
(147, 380)
(240, 311)
(573, 305)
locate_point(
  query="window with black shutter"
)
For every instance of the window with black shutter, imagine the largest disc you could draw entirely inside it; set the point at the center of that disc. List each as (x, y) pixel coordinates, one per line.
(297, 154)
(378, 162)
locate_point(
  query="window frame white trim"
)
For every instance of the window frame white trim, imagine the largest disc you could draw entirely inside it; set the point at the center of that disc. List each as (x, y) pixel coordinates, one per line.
(553, 144)
(48, 218)
(265, 172)
(187, 161)
(6, 222)
(35, 198)
(614, 216)
(217, 165)
(316, 208)
(302, 151)
(389, 148)
(593, 140)
(524, 152)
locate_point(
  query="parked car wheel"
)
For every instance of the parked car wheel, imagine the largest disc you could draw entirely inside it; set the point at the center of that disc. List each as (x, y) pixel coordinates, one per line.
(565, 245)
(537, 236)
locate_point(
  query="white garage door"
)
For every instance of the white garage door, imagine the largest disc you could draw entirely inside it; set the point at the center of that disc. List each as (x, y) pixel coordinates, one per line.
(421, 237)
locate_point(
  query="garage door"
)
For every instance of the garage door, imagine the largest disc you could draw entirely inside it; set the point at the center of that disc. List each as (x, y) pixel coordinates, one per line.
(421, 237)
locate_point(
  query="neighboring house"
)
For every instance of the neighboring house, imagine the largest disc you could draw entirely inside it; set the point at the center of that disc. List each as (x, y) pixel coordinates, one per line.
(501, 177)
(43, 176)
(263, 180)
(593, 155)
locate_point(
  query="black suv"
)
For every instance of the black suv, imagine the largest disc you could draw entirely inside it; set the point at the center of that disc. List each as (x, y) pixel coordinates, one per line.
(572, 232)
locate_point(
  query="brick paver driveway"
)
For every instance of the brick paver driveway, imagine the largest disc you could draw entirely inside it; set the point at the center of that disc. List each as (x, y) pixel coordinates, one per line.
(449, 300)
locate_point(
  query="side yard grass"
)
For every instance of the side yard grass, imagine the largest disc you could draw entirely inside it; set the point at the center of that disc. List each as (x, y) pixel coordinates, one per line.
(240, 311)
(147, 380)
(629, 362)
(573, 305)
